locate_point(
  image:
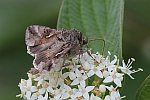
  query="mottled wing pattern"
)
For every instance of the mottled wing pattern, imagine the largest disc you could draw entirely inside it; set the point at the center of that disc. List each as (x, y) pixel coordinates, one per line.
(48, 45)
(39, 38)
(42, 42)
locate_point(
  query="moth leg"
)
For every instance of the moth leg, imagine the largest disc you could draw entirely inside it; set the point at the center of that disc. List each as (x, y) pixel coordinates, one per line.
(89, 53)
(103, 43)
(81, 53)
(92, 56)
(33, 71)
(59, 75)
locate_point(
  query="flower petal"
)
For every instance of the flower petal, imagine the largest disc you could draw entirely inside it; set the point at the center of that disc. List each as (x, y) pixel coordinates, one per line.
(119, 75)
(89, 88)
(78, 94)
(78, 73)
(72, 75)
(29, 82)
(99, 74)
(75, 82)
(108, 79)
(65, 96)
(82, 83)
(28, 95)
(90, 73)
(42, 91)
(117, 82)
(49, 89)
(67, 87)
(86, 96)
(33, 88)
(92, 97)
(65, 75)
(97, 98)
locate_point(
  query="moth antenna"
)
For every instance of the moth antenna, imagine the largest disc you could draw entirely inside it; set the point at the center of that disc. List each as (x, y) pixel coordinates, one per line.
(63, 29)
(103, 43)
(74, 29)
(80, 60)
(87, 46)
(103, 35)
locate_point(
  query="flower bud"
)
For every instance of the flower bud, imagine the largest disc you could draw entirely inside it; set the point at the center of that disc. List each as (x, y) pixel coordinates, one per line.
(102, 88)
(86, 65)
(107, 97)
(72, 75)
(105, 73)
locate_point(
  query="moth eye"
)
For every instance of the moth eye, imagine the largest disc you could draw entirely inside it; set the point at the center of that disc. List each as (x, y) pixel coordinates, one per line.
(45, 31)
(85, 40)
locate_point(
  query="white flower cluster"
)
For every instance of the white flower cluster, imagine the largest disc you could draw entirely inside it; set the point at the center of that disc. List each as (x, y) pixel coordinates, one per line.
(92, 77)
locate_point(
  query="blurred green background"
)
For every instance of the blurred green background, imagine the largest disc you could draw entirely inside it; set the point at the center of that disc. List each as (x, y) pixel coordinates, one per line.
(16, 15)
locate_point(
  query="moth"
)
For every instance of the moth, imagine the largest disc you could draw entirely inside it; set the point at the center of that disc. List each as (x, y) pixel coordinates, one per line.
(48, 45)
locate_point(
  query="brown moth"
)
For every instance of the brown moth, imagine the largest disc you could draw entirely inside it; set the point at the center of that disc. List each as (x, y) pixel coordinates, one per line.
(48, 45)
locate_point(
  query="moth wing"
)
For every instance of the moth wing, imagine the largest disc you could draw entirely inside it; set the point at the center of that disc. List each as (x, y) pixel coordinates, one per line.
(39, 38)
(49, 58)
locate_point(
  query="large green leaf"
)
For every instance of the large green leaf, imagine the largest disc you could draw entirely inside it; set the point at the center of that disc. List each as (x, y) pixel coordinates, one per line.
(144, 91)
(95, 19)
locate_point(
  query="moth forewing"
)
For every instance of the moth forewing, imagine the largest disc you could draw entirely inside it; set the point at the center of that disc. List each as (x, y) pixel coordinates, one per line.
(50, 45)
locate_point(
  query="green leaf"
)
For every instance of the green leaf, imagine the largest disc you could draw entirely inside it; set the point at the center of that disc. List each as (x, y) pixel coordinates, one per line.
(144, 91)
(95, 19)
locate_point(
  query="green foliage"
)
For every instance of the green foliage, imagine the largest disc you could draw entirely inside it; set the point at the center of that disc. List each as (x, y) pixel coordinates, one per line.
(16, 15)
(144, 91)
(95, 19)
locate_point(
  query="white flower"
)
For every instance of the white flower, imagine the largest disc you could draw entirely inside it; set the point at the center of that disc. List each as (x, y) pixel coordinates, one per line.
(86, 65)
(86, 57)
(107, 97)
(116, 95)
(32, 76)
(46, 87)
(71, 75)
(80, 78)
(69, 93)
(114, 77)
(107, 63)
(112, 95)
(59, 81)
(34, 96)
(105, 73)
(74, 80)
(94, 97)
(75, 60)
(29, 89)
(50, 89)
(111, 88)
(41, 78)
(52, 82)
(126, 68)
(73, 67)
(59, 92)
(95, 70)
(22, 86)
(41, 97)
(83, 91)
